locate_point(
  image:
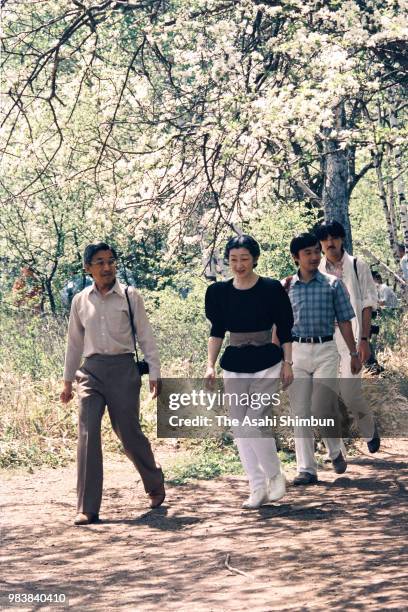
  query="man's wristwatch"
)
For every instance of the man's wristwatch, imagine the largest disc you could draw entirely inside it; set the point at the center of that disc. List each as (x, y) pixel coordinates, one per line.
(288, 362)
(353, 354)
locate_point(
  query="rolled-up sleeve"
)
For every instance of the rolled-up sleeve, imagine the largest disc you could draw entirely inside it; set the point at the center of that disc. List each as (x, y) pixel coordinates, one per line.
(75, 342)
(283, 315)
(369, 296)
(341, 302)
(144, 334)
(213, 312)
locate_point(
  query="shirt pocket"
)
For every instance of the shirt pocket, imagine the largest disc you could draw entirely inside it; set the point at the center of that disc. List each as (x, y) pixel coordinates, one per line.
(88, 315)
(118, 322)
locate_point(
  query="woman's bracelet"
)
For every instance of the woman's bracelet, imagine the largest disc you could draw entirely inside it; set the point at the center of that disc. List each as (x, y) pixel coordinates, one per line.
(288, 362)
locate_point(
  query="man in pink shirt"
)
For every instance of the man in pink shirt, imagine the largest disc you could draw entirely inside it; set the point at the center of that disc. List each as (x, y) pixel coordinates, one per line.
(356, 276)
(100, 330)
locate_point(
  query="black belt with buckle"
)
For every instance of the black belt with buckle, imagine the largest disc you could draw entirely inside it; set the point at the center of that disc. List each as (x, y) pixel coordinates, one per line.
(313, 340)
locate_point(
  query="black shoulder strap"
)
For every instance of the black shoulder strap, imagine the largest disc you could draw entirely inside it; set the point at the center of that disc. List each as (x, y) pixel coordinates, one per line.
(355, 266)
(132, 324)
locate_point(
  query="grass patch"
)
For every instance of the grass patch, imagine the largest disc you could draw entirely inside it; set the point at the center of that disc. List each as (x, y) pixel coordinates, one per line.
(206, 460)
(210, 459)
(15, 454)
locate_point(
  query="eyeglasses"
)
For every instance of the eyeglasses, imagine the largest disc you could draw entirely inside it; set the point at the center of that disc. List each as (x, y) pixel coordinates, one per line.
(102, 262)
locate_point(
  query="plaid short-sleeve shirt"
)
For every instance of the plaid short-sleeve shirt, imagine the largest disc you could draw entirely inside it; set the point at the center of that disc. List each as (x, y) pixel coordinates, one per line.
(317, 304)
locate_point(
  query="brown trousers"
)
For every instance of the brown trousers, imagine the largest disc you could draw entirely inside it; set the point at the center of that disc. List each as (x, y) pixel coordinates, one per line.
(112, 381)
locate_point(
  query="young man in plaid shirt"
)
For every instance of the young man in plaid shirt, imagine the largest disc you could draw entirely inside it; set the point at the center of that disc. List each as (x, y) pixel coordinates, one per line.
(318, 300)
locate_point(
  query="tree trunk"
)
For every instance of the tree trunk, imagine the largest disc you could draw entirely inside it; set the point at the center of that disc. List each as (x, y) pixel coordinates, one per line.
(335, 198)
(402, 203)
(48, 286)
(401, 200)
(390, 186)
(383, 198)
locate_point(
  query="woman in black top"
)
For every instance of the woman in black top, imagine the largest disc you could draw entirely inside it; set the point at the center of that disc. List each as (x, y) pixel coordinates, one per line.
(248, 306)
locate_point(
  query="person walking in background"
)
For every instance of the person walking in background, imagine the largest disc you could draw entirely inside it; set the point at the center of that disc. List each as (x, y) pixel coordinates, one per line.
(100, 330)
(356, 275)
(403, 261)
(247, 306)
(388, 308)
(387, 298)
(317, 301)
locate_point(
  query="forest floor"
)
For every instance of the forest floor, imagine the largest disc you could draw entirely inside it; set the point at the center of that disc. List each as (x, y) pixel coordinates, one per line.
(339, 545)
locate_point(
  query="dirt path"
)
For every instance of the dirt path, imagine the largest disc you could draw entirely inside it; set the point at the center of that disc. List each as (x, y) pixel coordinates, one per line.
(341, 545)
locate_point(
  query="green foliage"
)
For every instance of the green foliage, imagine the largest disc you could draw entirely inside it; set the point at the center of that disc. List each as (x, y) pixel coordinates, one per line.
(274, 231)
(181, 327)
(389, 322)
(206, 460)
(32, 345)
(191, 113)
(209, 459)
(368, 222)
(158, 125)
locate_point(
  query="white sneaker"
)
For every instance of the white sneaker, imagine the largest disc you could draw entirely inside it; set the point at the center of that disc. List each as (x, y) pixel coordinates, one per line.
(256, 499)
(276, 487)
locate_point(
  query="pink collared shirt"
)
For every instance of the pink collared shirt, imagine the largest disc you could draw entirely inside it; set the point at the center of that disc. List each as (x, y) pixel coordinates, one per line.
(336, 269)
(99, 324)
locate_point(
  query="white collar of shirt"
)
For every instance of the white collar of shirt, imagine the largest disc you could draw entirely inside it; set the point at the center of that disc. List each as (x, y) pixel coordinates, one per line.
(346, 263)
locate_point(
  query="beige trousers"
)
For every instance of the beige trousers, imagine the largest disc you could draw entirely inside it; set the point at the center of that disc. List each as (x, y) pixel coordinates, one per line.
(351, 391)
(112, 381)
(314, 392)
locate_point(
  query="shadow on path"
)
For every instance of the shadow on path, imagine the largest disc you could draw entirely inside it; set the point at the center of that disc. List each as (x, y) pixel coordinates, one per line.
(340, 545)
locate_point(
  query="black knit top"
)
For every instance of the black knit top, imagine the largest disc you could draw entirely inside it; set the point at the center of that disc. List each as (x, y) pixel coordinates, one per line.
(249, 310)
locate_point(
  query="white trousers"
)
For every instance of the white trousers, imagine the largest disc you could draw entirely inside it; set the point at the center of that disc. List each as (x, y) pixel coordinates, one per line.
(314, 393)
(258, 454)
(351, 391)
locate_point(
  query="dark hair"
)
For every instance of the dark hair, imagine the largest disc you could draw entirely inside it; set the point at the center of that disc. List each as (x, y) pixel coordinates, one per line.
(91, 249)
(303, 241)
(376, 276)
(243, 242)
(329, 228)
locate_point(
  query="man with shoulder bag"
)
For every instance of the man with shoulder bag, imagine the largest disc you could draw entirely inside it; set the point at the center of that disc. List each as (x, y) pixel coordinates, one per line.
(104, 320)
(356, 276)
